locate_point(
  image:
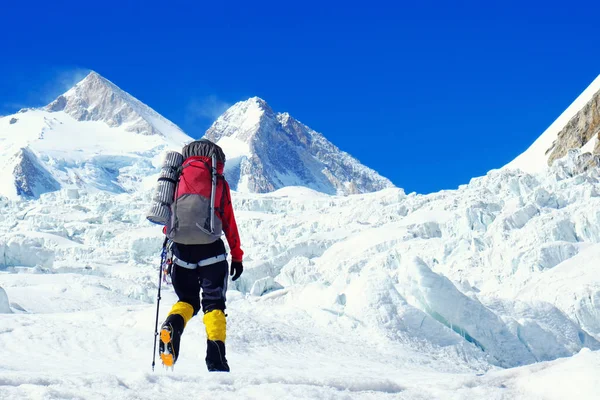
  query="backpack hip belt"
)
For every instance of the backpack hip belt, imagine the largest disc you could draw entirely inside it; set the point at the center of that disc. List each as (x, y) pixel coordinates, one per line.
(201, 263)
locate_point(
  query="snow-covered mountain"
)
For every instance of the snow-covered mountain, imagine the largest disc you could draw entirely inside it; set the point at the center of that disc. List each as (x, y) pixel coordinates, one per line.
(578, 127)
(488, 291)
(98, 136)
(267, 151)
(93, 137)
(97, 99)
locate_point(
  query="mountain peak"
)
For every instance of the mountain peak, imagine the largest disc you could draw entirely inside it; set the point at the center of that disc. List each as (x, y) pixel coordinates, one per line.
(243, 120)
(268, 151)
(258, 102)
(92, 83)
(94, 78)
(95, 98)
(254, 106)
(92, 75)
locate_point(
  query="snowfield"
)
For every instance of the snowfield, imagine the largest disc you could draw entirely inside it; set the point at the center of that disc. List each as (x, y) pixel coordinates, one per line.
(489, 291)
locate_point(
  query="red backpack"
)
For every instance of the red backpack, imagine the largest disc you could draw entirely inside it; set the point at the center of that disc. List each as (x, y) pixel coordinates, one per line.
(200, 196)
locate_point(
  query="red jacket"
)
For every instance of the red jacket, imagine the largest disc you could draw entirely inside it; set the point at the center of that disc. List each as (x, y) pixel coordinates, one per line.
(230, 227)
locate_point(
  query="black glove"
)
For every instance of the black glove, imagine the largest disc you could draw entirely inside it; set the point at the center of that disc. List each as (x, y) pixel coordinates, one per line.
(236, 270)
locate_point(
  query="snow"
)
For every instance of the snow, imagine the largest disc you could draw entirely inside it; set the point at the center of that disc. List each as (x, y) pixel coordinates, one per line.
(103, 158)
(581, 283)
(590, 145)
(4, 304)
(241, 120)
(535, 159)
(237, 153)
(437, 296)
(234, 148)
(490, 291)
(548, 381)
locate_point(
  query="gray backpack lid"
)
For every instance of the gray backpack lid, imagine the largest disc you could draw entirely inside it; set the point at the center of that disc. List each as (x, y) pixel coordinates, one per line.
(205, 148)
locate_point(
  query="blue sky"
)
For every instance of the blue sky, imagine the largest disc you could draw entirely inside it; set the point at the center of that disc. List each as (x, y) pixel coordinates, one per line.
(445, 90)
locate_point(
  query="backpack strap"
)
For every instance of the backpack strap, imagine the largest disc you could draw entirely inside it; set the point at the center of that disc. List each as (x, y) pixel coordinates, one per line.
(221, 208)
(213, 191)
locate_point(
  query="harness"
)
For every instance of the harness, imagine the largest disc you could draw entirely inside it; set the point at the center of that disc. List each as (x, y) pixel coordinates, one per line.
(201, 263)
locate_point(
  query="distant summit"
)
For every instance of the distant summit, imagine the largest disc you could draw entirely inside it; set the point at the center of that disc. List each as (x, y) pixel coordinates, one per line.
(267, 151)
(97, 99)
(98, 137)
(94, 137)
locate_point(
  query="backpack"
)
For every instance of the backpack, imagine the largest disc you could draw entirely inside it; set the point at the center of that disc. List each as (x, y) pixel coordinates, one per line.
(200, 195)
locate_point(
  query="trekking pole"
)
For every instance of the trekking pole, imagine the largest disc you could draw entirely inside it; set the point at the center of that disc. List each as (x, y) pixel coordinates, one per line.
(160, 272)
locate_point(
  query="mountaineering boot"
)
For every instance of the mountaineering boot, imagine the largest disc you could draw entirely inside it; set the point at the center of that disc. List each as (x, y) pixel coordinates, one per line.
(215, 356)
(216, 332)
(170, 336)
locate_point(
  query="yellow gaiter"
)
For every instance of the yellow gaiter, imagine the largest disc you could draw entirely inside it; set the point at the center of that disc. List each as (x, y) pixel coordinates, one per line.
(184, 309)
(216, 325)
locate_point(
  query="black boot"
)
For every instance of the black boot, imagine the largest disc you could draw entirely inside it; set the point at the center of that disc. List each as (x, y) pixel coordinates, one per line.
(170, 336)
(215, 356)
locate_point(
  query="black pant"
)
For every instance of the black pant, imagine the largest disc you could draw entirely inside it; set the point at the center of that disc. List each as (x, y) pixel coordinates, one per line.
(211, 278)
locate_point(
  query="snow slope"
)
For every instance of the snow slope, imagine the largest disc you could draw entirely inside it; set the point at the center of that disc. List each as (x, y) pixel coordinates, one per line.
(105, 353)
(379, 295)
(580, 283)
(535, 158)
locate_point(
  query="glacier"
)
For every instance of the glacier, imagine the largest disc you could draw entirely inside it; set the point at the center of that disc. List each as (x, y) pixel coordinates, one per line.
(500, 273)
